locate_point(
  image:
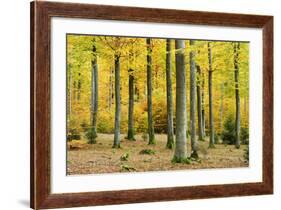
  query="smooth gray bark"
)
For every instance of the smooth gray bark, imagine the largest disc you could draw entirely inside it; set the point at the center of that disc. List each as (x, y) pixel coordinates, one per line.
(211, 119)
(221, 107)
(193, 101)
(69, 92)
(237, 96)
(170, 126)
(94, 96)
(181, 125)
(149, 92)
(110, 94)
(131, 106)
(116, 143)
(203, 105)
(199, 105)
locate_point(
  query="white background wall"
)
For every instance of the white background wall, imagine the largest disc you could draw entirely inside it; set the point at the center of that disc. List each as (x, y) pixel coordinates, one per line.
(14, 103)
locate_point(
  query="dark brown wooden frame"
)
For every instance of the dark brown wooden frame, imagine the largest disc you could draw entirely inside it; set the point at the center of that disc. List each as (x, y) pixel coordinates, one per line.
(41, 14)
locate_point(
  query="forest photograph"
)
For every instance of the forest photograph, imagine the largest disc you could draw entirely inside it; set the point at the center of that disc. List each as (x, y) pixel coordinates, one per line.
(140, 104)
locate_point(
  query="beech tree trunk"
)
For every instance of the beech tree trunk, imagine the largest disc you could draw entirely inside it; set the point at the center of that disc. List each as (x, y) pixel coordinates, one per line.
(149, 92)
(211, 119)
(131, 107)
(194, 153)
(203, 106)
(181, 125)
(170, 126)
(94, 96)
(199, 105)
(221, 107)
(116, 143)
(237, 96)
(110, 94)
(70, 92)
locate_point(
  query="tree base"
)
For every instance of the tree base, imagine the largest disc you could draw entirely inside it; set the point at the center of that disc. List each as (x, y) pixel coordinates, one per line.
(194, 155)
(92, 141)
(184, 160)
(130, 135)
(170, 141)
(130, 138)
(153, 142)
(237, 146)
(201, 139)
(211, 146)
(170, 145)
(116, 146)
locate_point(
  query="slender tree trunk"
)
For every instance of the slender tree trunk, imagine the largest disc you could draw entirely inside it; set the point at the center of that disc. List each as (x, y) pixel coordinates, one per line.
(187, 105)
(245, 114)
(94, 97)
(137, 92)
(74, 91)
(221, 107)
(194, 153)
(199, 105)
(211, 120)
(70, 93)
(116, 143)
(79, 87)
(69, 100)
(110, 95)
(237, 97)
(181, 146)
(203, 106)
(170, 129)
(131, 107)
(149, 92)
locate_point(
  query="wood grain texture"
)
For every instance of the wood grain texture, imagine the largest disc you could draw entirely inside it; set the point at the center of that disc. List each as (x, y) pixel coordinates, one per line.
(268, 104)
(41, 14)
(32, 143)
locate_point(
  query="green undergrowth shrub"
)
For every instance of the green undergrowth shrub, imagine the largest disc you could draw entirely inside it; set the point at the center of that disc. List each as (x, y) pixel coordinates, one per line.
(244, 135)
(73, 134)
(228, 133)
(91, 135)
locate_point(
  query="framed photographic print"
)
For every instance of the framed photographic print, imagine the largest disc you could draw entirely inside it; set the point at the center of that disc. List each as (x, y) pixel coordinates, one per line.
(136, 105)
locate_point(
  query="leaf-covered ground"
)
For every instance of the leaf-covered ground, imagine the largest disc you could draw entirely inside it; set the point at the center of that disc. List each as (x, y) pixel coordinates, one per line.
(132, 156)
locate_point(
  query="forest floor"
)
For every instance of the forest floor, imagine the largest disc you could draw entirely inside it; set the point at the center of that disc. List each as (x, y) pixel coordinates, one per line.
(102, 158)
